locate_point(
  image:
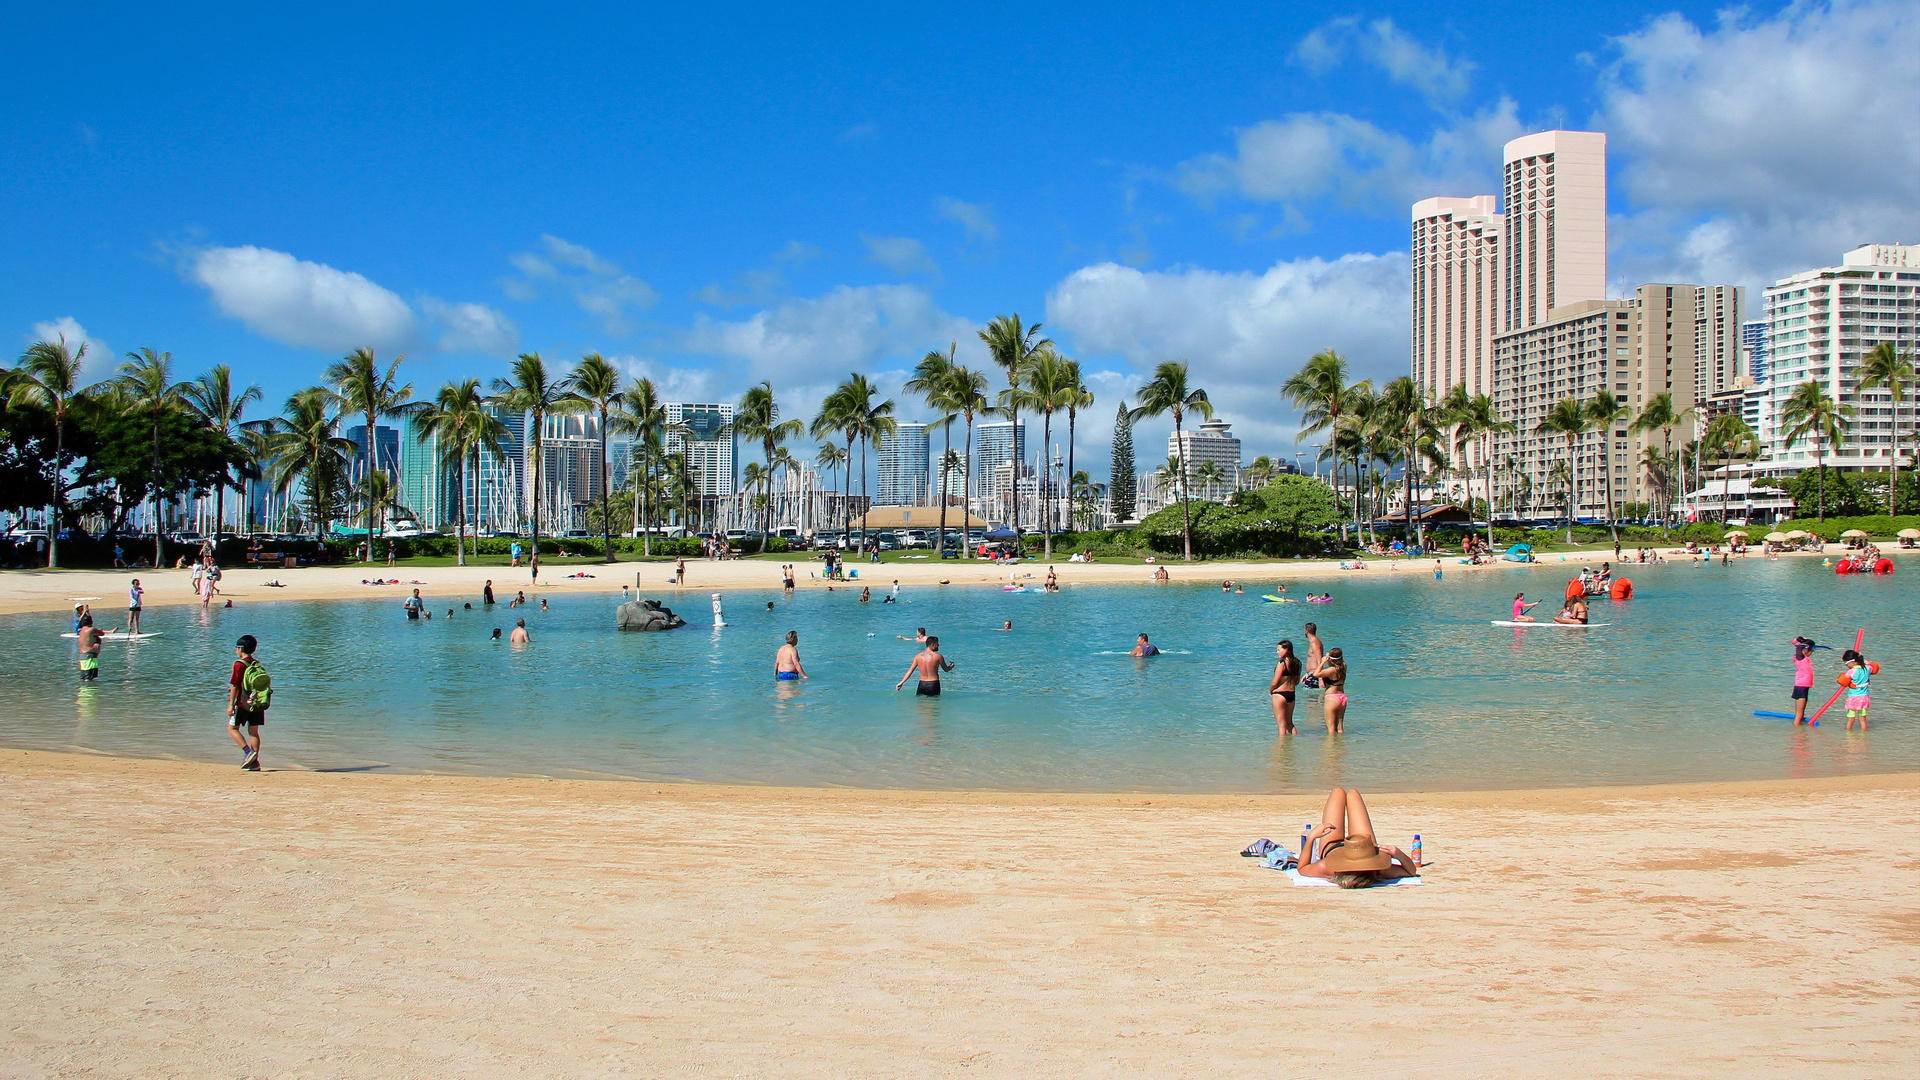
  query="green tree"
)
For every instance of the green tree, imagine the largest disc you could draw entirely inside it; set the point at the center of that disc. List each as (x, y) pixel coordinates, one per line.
(1476, 418)
(362, 387)
(1411, 424)
(48, 377)
(643, 414)
(595, 385)
(1570, 419)
(146, 383)
(933, 379)
(1122, 480)
(1168, 392)
(1730, 438)
(1604, 411)
(305, 450)
(1077, 396)
(1046, 387)
(1659, 415)
(757, 419)
(220, 407)
(1321, 392)
(1808, 411)
(1013, 346)
(458, 418)
(1884, 368)
(534, 392)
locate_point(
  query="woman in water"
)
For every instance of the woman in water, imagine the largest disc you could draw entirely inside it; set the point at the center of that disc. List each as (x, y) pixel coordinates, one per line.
(1284, 686)
(1349, 855)
(1333, 697)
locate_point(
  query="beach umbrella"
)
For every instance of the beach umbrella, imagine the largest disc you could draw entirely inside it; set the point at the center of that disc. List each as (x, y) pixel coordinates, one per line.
(1909, 534)
(1736, 532)
(1853, 534)
(1797, 534)
(1777, 537)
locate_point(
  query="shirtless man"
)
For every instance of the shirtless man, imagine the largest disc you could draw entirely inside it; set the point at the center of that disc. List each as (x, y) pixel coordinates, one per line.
(1143, 647)
(1316, 655)
(519, 635)
(1285, 684)
(919, 636)
(786, 662)
(929, 664)
(90, 636)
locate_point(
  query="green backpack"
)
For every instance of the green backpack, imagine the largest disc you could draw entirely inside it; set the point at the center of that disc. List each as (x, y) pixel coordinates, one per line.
(257, 687)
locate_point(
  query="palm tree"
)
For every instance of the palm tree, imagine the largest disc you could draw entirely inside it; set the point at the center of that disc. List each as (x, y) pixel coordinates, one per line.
(836, 417)
(1045, 388)
(1659, 415)
(1730, 438)
(533, 391)
(146, 380)
(255, 439)
(595, 385)
(1013, 346)
(1086, 494)
(1604, 411)
(1320, 391)
(49, 378)
(377, 493)
(213, 398)
(304, 448)
(1809, 411)
(458, 420)
(757, 418)
(642, 414)
(861, 420)
(933, 380)
(1560, 481)
(1077, 397)
(1211, 476)
(831, 456)
(1478, 419)
(1883, 366)
(1167, 392)
(1411, 424)
(1570, 418)
(363, 388)
(967, 395)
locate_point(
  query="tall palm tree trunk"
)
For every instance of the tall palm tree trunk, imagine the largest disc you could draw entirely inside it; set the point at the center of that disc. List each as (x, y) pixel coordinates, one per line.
(966, 486)
(1046, 461)
(1186, 515)
(606, 487)
(940, 536)
(1070, 473)
(640, 502)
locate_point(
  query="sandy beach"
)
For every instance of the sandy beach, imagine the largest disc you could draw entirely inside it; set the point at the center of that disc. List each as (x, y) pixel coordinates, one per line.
(164, 919)
(40, 590)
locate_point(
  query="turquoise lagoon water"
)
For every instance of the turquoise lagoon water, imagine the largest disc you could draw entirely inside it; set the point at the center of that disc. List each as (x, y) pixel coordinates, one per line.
(1440, 699)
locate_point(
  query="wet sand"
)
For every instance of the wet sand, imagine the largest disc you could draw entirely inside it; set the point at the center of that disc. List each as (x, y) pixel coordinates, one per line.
(167, 919)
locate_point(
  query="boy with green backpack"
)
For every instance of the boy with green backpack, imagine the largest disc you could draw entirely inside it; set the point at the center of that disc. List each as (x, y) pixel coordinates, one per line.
(249, 693)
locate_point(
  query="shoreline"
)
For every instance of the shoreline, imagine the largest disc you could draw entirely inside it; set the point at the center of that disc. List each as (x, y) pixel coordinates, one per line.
(32, 591)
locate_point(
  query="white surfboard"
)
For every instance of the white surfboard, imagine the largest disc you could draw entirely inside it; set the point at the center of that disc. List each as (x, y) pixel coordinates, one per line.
(116, 635)
(1561, 625)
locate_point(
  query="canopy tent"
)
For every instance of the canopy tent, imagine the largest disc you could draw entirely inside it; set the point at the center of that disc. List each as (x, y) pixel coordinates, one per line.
(1853, 534)
(1002, 533)
(1519, 549)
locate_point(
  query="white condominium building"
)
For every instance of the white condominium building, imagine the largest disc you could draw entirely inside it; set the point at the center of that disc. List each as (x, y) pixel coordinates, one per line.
(1456, 283)
(1635, 348)
(1554, 249)
(1822, 322)
(1212, 441)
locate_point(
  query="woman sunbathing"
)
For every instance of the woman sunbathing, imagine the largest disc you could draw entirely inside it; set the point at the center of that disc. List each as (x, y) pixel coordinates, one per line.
(1349, 856)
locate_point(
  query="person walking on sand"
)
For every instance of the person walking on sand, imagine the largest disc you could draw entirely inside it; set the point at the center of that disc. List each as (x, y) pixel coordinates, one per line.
(786, 662)
(1284, 685)
(533, 564)
(134, 595)
(928, 663)
(248, 694)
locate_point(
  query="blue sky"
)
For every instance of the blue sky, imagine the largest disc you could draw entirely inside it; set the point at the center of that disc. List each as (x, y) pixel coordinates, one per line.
(777, 193)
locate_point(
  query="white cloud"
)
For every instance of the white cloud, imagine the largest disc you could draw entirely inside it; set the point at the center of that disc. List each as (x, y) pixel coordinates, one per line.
(901, 254)
(305, 304)
(1304, 158)
(314, 306)
(676, 384)
(1766, 146)
(819, 339)
(469, 327)
(1242, 333)
(1406, 60)
(976, 218)
(97, 363)
(597, 284)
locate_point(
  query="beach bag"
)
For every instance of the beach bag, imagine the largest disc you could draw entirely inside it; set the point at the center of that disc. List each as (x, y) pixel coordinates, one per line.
(256, 688)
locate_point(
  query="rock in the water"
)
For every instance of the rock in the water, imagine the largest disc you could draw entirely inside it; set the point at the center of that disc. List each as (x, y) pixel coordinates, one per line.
(648, 615)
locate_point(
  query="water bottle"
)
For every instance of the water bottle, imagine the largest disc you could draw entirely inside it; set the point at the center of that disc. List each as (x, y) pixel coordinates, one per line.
(1418, 859)
(1306, 831)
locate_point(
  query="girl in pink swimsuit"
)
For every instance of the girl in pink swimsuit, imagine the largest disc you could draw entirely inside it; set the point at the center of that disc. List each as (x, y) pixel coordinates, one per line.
(1333, 698)
(1802, 677)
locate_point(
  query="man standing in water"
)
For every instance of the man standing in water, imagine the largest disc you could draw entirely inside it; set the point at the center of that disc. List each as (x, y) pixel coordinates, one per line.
(519, 635)
(786, 662)
(1145, 648)
(242, 712)
(1316, 653)
(928, 664)
(414, 605)
(486, 594)
(90, 636)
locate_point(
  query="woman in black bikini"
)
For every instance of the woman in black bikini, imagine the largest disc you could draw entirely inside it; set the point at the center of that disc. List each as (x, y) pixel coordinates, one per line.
(1285, 684)
(1349, 856)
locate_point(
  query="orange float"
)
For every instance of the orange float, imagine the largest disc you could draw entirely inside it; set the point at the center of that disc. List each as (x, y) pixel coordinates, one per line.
(1622, 589)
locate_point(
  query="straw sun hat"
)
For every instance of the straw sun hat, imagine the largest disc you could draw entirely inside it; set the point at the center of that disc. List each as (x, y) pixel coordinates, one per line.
(1357, 854)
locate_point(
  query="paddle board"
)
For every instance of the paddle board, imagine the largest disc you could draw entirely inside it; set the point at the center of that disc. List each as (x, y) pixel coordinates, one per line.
(1561, 625)
(119, 636)
(1278, 600)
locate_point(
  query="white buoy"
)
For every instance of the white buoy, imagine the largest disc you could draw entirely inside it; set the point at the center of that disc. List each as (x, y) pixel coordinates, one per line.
(718, 619)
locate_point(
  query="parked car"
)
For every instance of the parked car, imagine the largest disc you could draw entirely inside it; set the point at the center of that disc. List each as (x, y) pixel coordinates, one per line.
(827, 541)
(576, 534)
(889, 541)
(915, 538)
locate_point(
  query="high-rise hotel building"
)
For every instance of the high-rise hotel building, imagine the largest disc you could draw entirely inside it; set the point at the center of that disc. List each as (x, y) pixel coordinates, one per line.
(1554, 186)
(1456, 289)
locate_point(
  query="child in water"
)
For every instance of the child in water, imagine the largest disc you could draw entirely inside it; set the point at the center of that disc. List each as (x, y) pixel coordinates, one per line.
(1802, 677)
(1855, 679)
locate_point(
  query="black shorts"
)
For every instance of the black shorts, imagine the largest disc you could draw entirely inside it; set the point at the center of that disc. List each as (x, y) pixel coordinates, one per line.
(243, 718)
(928, 689)
(1800, 692)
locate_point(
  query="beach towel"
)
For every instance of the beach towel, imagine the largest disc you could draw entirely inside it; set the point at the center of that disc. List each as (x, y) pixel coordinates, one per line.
(1295, 877)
